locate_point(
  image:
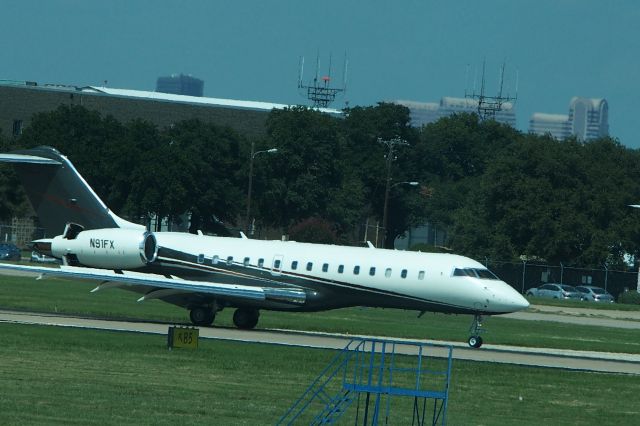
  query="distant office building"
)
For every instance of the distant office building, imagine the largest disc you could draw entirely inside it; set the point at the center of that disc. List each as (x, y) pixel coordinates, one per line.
(557, 125)
(20, 100)
(427, 112)
(180, 84)
(587, 119)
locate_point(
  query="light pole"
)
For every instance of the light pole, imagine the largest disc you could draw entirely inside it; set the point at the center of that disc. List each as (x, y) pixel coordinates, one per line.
(251, 157)
(390, 144)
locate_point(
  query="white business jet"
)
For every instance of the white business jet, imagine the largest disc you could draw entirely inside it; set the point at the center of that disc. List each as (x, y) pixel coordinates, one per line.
(206, 274)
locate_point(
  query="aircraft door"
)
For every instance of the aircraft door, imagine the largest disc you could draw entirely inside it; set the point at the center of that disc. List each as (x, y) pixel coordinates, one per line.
(276, 265)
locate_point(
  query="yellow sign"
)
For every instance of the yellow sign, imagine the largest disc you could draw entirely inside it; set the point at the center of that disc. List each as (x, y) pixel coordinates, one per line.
(183, 337)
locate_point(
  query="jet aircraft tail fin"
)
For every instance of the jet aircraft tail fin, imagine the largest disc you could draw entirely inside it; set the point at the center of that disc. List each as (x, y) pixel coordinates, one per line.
(59, 194)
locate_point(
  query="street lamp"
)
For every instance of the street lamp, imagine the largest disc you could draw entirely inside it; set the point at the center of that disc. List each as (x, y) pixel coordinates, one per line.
(390, 144)
(386, 205)
(413, 183)
(251, 158)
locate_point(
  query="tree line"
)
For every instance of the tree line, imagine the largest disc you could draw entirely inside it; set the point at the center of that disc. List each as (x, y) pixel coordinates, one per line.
(499, 192)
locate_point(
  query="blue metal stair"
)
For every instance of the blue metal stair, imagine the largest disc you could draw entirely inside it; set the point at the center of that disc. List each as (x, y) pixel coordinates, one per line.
(371, 372)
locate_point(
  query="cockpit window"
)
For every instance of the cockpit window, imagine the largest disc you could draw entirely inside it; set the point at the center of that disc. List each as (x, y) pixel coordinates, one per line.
(484, 274)
(464, 272)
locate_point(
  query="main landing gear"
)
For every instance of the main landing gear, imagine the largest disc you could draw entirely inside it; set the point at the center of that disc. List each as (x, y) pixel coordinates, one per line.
(202, 316)
(475, 341)
(243, 318)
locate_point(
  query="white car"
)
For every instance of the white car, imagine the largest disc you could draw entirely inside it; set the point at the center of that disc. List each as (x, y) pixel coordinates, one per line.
(595, 294)
(555, 291)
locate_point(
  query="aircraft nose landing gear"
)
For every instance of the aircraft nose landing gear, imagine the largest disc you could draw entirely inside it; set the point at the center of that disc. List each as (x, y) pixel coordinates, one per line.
(475, 341)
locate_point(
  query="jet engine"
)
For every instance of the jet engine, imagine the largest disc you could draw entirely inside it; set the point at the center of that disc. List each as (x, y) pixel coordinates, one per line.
(110, 248)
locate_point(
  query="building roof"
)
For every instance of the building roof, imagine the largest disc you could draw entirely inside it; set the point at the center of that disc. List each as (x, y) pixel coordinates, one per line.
(163, 97)
(595, 103)
(168, 97)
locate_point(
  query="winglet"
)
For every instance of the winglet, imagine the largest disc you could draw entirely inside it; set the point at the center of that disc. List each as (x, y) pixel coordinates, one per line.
(370, 244)
(243, 236)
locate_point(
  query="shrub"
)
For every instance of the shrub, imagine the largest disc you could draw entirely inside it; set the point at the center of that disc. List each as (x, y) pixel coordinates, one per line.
(313, 230)
(631, 297)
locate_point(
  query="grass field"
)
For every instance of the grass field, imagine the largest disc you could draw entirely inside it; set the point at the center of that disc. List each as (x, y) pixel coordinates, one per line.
(73, 297)
(71, 376)
(581, 304)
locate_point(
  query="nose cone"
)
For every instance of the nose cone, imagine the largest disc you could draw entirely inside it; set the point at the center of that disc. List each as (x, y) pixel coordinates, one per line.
(507, 299)
(519, 302)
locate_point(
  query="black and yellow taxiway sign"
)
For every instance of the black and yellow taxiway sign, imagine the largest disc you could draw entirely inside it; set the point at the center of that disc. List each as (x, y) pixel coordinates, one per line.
(183, 337)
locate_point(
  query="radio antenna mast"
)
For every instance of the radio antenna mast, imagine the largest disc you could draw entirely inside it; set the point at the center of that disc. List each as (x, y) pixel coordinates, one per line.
(319, 91)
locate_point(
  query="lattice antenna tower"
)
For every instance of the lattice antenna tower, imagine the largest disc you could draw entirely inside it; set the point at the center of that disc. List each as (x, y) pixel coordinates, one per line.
(319, 91)
(488, 106)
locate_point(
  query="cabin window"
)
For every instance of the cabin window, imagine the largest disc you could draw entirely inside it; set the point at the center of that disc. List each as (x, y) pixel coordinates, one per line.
(387, 273)
(340, 269)
(260, 263)
(276, 264)
(201, 258)
(372, 271)
(403, 274)
(421, 275)
(325, 267)
(246, 261)
(294, 265)
(215, 259)
(356, 270)
(309, 266)
(230, 260)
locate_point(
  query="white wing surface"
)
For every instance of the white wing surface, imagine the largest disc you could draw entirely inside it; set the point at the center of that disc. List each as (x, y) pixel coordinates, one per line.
(125, 278)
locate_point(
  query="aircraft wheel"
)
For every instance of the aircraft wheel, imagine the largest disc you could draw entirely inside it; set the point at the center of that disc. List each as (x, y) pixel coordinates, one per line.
(202, 316)
(246, 319)
(475, 341)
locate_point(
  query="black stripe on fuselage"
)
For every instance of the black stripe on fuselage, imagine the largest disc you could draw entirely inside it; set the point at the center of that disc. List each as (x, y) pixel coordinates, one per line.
(321, 293)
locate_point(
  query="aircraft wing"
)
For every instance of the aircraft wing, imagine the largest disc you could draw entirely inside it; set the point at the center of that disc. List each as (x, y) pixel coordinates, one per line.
(111, 278)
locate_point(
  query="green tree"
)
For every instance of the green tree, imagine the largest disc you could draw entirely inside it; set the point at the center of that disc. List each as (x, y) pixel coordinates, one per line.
(80, 134)
(302, 180)
(367, 160)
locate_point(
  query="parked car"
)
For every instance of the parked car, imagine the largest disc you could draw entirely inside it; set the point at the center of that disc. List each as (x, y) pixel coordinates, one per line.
(9, 251)
(595, 294)
(555, 291)
(42, 258)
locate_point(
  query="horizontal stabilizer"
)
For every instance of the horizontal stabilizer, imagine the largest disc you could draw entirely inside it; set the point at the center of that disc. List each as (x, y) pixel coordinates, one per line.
(30, 159)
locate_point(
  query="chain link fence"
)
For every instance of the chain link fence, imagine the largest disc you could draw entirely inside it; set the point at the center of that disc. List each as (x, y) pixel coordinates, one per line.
(525, 275)
(20, 232)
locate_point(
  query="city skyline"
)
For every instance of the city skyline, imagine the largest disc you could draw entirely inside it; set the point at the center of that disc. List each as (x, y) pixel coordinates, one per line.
(412, 50)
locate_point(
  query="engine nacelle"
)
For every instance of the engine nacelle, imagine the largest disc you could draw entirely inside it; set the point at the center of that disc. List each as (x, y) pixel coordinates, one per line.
(111, 248)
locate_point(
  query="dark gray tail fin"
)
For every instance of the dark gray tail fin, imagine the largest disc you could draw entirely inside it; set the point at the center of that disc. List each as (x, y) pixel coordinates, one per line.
(58, 193)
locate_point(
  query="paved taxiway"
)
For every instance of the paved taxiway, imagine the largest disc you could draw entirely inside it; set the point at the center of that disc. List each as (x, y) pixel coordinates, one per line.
(555, 358)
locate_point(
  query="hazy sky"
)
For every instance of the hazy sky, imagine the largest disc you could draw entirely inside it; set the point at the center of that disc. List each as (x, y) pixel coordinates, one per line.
(413, 50)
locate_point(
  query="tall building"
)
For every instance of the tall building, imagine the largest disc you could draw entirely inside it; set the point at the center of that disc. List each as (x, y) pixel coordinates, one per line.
(427, 112)
(587, 119)
(180, 84)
